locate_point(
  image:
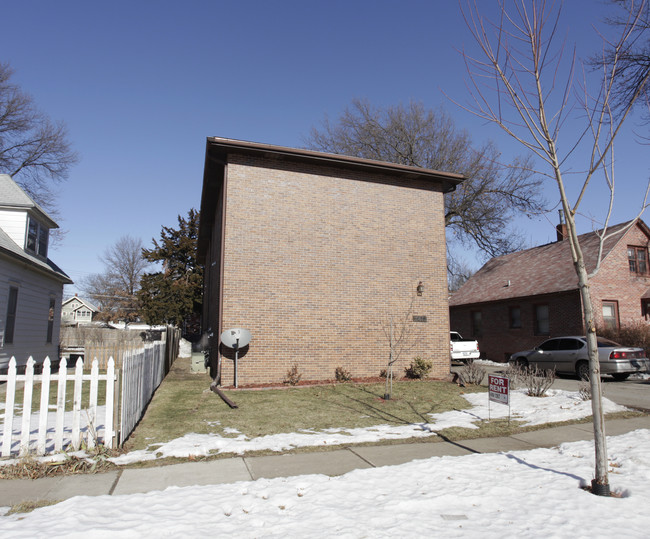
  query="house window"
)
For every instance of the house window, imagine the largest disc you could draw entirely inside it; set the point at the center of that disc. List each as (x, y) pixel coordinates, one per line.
(10, 321)
(638, 259)
(541, 320)
(515, 317)
(37, 237)
(50, 321)
(477, 324)
(610, 315)
(645, 308)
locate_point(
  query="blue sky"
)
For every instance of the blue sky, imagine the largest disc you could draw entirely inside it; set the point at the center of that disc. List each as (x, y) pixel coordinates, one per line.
(141, 84)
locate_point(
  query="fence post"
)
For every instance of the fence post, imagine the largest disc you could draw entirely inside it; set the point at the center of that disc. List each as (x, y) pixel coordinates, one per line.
(28, 388)
(92, 404)
(76, 404)
(60, 405)
(9, 408)
(43, 410)
(111, 382)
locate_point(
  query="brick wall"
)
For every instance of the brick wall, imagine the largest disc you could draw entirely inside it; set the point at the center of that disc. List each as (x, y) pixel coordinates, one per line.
(498, 340)
(314, 257)
(615, 282)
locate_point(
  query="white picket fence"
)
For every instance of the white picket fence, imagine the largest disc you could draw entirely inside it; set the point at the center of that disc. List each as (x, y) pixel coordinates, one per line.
(142, 372)
(66, 432)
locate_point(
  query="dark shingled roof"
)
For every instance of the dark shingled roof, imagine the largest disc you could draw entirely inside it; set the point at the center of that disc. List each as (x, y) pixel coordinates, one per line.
(541, 270)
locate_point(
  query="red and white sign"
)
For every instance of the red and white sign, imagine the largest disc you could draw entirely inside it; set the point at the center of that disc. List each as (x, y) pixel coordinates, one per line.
(499, 389)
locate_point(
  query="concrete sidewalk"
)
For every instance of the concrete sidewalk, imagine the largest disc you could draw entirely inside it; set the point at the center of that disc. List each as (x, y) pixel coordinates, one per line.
(332, 463)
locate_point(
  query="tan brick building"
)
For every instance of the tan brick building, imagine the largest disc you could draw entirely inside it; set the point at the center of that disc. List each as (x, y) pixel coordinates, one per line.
(308, 251)
(516, 301)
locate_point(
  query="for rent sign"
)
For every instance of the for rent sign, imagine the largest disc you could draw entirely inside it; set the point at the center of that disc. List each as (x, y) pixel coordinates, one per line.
(499, 389)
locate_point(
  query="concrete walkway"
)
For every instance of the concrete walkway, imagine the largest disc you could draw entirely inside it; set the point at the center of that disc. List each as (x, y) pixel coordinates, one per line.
(332, 463)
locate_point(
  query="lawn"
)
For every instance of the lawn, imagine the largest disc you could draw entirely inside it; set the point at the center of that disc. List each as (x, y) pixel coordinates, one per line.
(184, 404)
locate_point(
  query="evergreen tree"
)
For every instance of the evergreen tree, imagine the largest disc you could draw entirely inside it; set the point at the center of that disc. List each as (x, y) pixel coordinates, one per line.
(174, 294)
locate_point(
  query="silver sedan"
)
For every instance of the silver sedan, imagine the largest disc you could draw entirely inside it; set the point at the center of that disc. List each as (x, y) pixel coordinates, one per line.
(569, 355)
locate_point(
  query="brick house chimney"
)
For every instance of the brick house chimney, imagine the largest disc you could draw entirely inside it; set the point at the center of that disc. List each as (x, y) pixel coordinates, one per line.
(561, 229)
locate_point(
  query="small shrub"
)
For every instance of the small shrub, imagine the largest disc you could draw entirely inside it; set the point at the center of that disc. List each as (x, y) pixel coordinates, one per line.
(515, 374)
(418, 368)
(472, 374)
(584, 390)
(293, 376)
(342, 375)
(536, 381)
(383, 373)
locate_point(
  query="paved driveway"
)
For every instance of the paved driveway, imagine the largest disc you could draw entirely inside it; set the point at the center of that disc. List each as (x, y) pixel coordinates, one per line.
(632, 393)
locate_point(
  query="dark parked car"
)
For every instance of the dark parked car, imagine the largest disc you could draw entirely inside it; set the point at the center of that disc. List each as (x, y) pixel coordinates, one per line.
(569, 355)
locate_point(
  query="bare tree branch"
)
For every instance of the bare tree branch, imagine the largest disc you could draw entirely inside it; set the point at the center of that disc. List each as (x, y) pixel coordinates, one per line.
(33, 150)
(115, 289)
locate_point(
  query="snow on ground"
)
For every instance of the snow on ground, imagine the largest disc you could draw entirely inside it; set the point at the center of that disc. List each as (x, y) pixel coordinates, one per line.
(557, 406)
(96, 428)
(516, 494)
(488, 363)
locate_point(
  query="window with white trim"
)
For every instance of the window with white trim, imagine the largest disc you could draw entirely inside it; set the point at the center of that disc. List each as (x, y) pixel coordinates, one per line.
(37, 237)
(610, 315)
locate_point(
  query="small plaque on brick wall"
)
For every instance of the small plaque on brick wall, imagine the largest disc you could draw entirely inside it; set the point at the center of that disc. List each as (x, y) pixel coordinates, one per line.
(419, 318)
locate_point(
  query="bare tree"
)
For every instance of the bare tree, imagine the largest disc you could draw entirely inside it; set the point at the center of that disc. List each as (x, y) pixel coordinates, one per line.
(458, 272)
(115, 289)
(516, 82)
(479, 211)
(33, 150)
(633, 59)
(402, 335)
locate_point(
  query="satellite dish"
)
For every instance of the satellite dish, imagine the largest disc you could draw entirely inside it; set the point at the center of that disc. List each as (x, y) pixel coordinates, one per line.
(236, 338)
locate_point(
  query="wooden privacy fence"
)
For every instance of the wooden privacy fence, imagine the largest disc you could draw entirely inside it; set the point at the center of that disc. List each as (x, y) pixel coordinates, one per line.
(142, 372)
(116, 351)
(64, 431)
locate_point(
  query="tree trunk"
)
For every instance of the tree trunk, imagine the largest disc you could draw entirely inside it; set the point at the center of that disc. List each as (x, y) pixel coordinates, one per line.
(389, 370)
(600, 485)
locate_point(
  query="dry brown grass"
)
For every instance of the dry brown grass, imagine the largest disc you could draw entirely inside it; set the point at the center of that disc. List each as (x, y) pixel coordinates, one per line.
(28, 507)
(30, 468)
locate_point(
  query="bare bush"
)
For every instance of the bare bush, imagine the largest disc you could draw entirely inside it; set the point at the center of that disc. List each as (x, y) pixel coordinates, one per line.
(536, 381)
(293, 376)
(515, 374)
(342, 375)
(636, 334)
(472, 374)
(584, 390)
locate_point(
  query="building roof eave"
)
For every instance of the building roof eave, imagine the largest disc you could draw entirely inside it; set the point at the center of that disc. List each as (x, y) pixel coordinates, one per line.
(223, 146)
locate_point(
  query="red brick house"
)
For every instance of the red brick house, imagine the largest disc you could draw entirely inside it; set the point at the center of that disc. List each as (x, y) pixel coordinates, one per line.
(307, 250)
(516, 301)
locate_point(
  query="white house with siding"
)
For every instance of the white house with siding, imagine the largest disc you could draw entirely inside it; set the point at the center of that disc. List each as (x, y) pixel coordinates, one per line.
(31, 285)
(77, 311)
